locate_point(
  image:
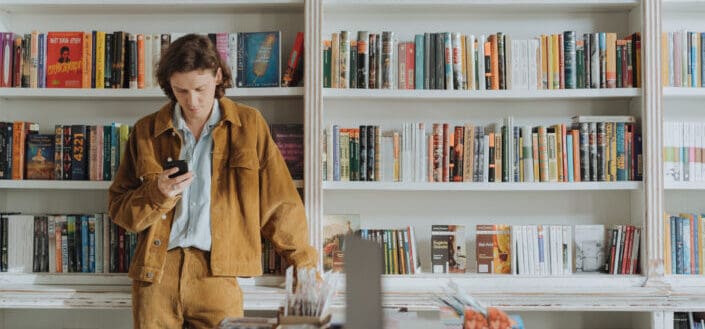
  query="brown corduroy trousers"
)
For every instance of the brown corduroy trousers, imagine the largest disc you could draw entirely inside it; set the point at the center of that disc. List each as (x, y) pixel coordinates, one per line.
(187, 296)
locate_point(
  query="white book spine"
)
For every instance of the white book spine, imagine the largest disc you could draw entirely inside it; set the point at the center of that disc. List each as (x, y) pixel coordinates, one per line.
(148, 66)
(481, 63)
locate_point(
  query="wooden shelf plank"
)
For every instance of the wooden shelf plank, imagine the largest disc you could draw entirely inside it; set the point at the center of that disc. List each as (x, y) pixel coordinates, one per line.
(69, 185)
(388, 186)
(136, 94)
(469, 95)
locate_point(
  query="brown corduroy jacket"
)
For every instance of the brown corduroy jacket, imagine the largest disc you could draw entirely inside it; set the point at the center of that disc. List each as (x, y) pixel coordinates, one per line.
(252, 195)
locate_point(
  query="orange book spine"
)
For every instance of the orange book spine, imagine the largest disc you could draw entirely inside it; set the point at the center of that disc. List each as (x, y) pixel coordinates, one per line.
(140, 61)
(57, 249)
(610, 57)
(87, 59)
(494, 61)
(18, 143)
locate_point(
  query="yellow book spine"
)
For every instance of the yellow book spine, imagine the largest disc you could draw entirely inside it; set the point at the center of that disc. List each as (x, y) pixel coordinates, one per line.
(549, 62)
(555, 44)
(664, 59)
(100, 60)
(667, 244)
(610, 56)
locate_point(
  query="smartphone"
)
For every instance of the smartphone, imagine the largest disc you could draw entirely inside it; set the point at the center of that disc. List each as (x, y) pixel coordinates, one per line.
(181, 164)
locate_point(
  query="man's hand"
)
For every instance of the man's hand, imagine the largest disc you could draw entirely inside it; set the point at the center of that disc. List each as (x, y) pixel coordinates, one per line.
(171, 187)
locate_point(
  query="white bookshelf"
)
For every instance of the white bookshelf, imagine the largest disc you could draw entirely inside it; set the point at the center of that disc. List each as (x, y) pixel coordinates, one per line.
(55, 94)
(394, 205)
(384, 205)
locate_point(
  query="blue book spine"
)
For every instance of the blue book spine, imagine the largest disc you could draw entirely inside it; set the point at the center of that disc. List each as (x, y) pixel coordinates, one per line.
(569, 155)
(674, 257)
(702, 58)
(336, 153)
(603, 59)
(693, 60)
(419, 61)
(621, 156)
(696, 243)
(679, 245)
(687, 248)
(85, 242)
(114, 149)
(41, 77)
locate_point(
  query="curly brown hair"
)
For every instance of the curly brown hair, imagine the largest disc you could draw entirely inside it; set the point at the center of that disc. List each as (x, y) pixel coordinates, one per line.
(189, 53)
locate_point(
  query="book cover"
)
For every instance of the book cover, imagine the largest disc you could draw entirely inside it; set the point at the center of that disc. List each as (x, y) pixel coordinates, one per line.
(40, 157)
(589, 248)
(258, 59)
(289, 139)
(448, 250)
(335, 227)
(64, 59)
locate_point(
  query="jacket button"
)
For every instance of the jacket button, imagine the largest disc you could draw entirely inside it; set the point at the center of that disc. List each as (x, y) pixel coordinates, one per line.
(173, 133)
(168, 159)
(157, 242)
(163, 216)
(150, 275)
(142, 178)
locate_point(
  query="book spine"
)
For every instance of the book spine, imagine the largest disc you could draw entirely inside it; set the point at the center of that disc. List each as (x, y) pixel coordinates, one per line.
(570, 59)
(387, 60)
(344, 60)
(363, 61)
(419, 60)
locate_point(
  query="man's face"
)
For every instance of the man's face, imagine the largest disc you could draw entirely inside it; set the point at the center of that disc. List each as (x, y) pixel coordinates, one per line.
(64, 54)
(195, 92)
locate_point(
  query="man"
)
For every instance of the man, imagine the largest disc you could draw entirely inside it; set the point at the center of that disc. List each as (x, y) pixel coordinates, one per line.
(64, 55)
(202, 229)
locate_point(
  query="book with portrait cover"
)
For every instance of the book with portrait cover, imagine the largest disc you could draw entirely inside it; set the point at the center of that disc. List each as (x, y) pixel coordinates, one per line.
(64, 60)
(40, 156)
(258, 59)
(335, 227)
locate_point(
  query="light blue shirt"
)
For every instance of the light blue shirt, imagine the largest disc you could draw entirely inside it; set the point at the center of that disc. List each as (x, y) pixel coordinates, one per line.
(192, 220)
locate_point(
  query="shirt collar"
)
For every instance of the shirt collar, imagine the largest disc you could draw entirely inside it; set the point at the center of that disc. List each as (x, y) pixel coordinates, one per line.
(180, 123)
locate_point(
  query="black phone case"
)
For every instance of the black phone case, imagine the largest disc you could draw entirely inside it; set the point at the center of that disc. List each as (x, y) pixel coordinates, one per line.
(181, 164)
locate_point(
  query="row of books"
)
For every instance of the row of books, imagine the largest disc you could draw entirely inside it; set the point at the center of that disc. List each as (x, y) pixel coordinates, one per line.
(597, 148)
(682, 59)
(557, 249)
(80, 243)
(688, 320)
(487, 62)
(684, 243)
(121, 59)
(65, 243)
(83, 152)
(683, 151)
(500, 249)
(73, 152)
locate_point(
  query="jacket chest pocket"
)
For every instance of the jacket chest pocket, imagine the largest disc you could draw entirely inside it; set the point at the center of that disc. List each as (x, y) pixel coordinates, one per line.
(244, 168)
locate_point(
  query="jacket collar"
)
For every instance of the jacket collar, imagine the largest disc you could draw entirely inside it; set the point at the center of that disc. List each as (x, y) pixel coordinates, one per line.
(163, 121)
